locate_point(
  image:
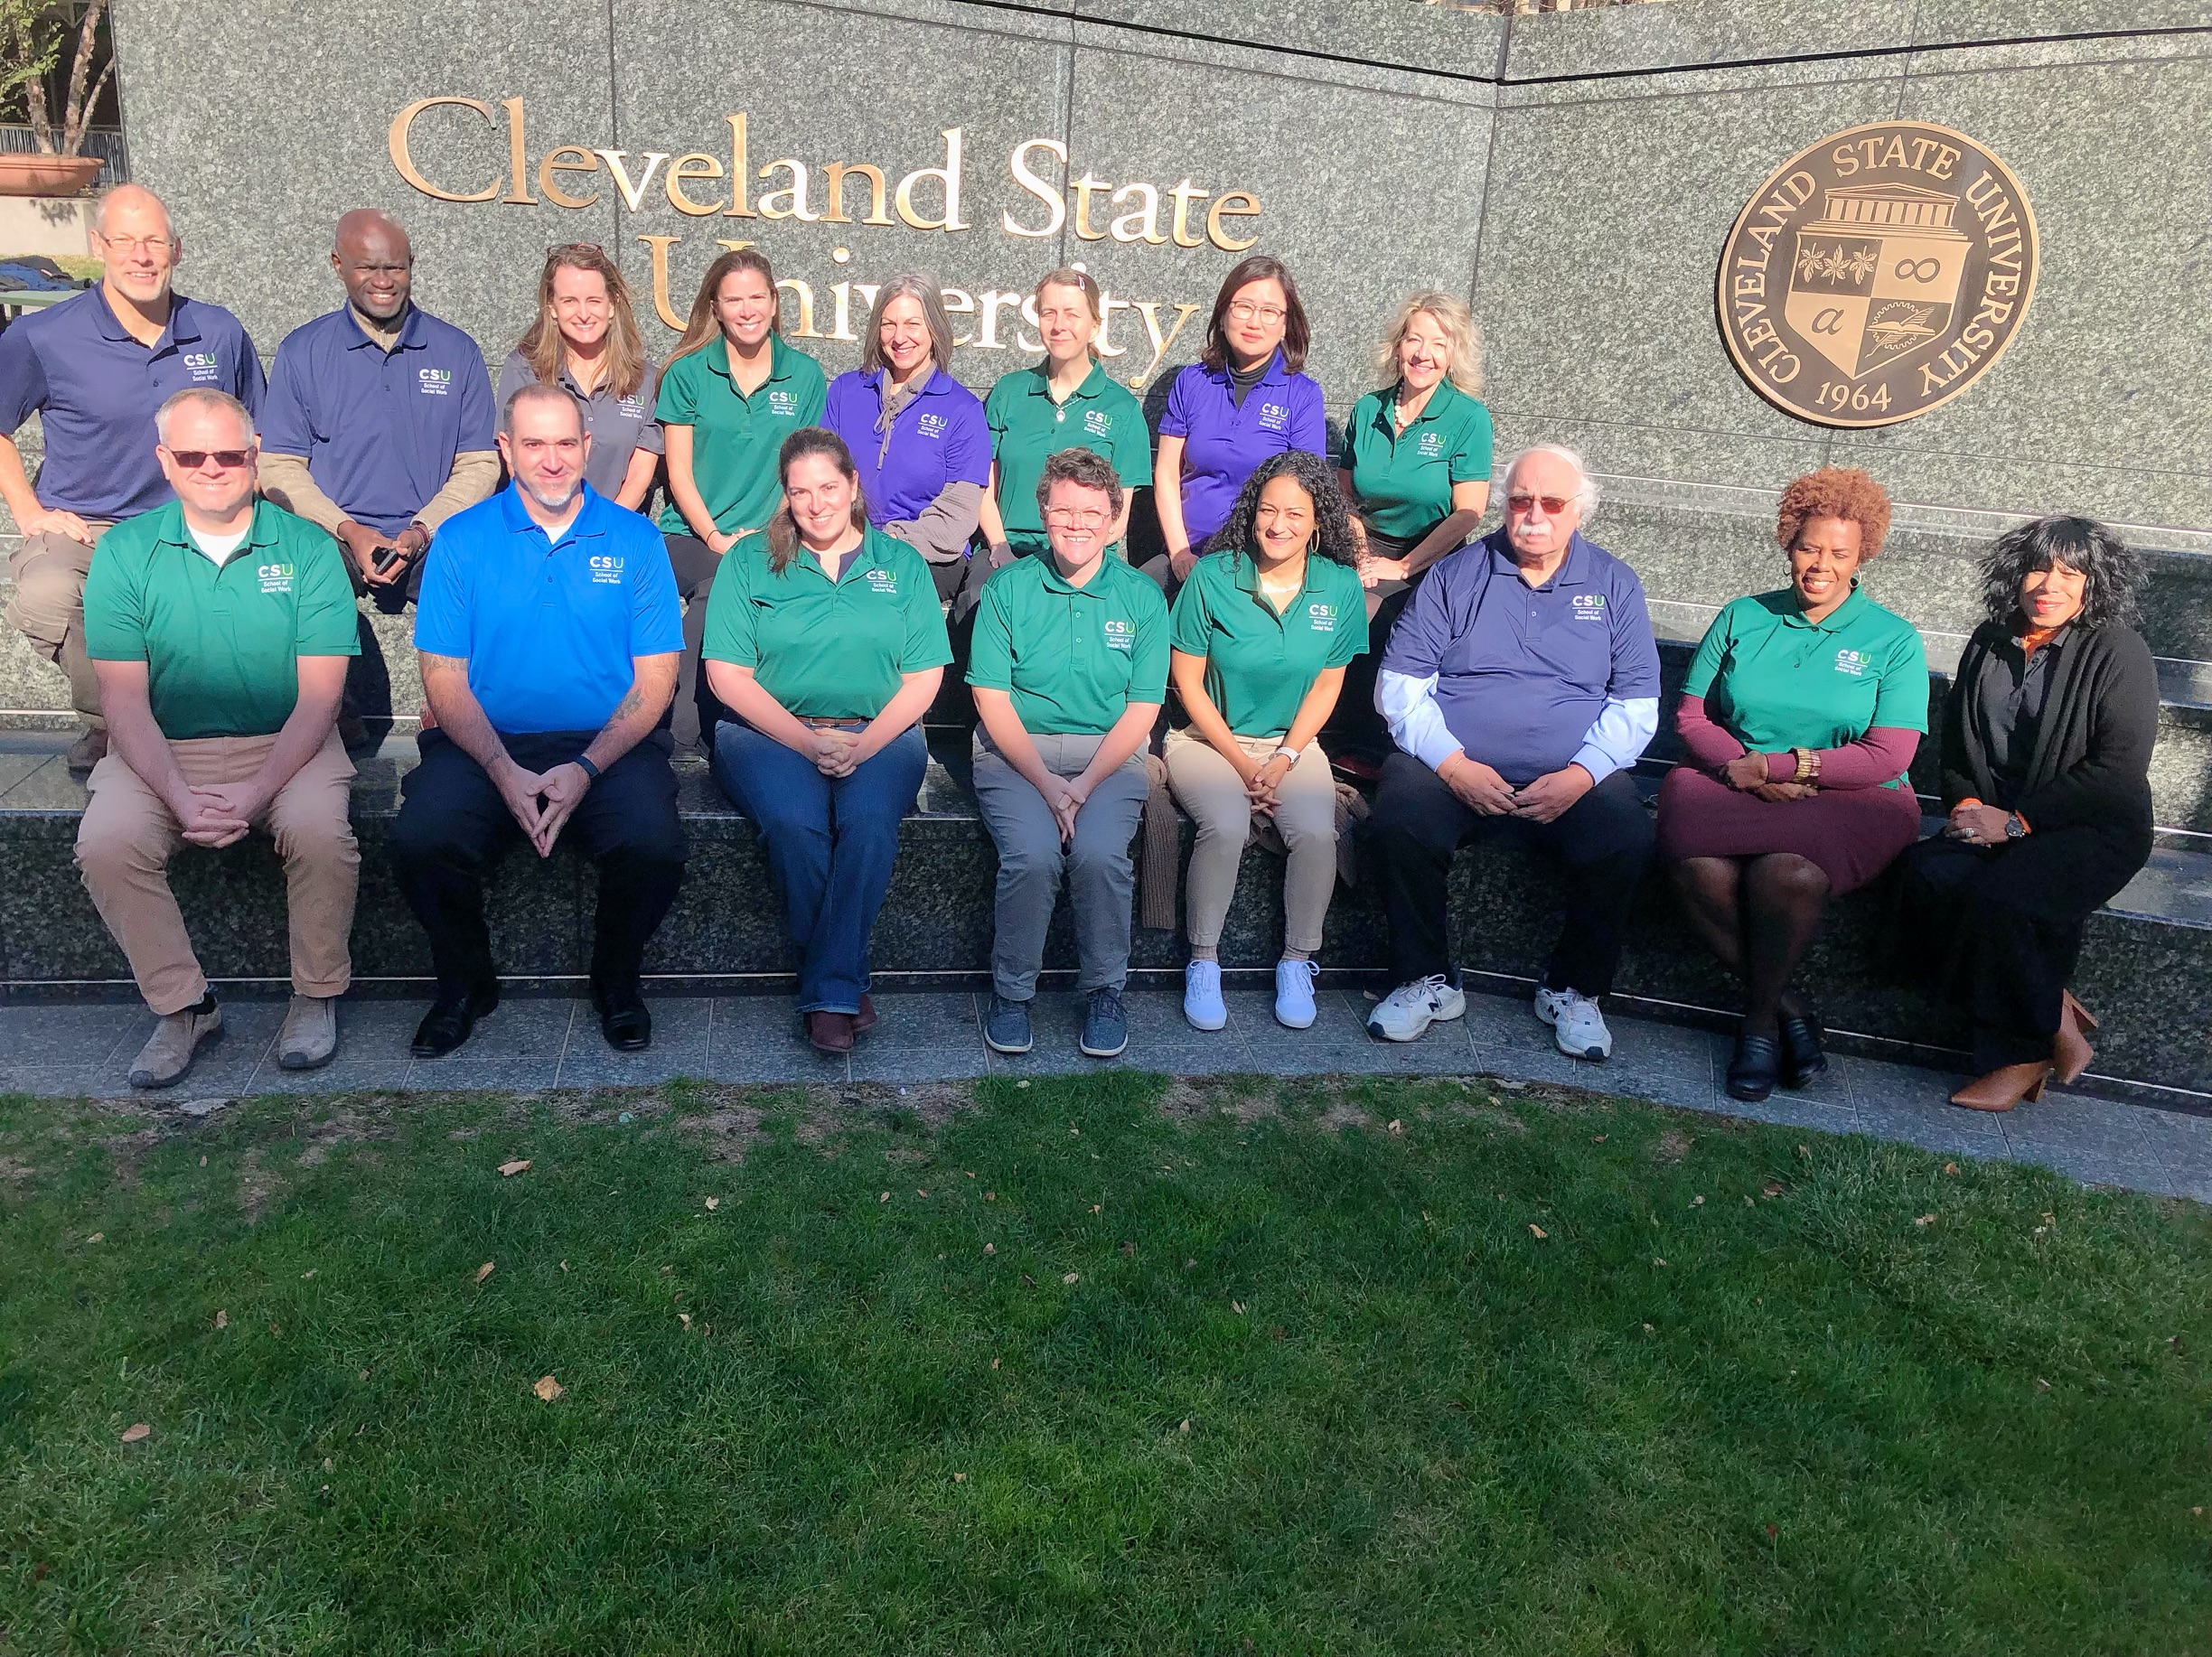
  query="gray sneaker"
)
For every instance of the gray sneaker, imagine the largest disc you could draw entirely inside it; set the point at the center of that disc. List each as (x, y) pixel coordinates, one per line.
(1105, 1031)
(168, 1053)
(310, 1034)
(1005, 1026)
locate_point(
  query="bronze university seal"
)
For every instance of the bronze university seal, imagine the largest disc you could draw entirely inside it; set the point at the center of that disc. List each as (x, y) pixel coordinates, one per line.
(1877, 274)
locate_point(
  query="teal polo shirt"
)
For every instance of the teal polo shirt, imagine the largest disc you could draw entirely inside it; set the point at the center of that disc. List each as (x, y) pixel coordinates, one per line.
(1404, 479)
(824, 648)
(222, 643)
(1776, 681)
(1259, 665)
(735, 438)
(1028, 428)
(1071, 658)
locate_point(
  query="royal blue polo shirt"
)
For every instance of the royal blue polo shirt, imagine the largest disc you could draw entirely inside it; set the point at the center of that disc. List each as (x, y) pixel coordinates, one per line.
(95, 389)
(1221, 443)
(1523, 672)
(939, 436)
(378, 431)
(549, 630)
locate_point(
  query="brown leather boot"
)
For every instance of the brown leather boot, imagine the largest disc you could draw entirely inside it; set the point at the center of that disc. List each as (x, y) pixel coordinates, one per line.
(865, 1019)
(2005, 1087)
(831, 1031)
(2070, 1050)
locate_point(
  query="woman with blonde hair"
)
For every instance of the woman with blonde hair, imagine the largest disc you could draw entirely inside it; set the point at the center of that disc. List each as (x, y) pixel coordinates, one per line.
(585, 341)
(730, 394)
(917, 434)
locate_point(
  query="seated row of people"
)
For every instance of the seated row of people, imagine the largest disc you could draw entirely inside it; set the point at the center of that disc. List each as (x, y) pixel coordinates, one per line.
(1520, 688)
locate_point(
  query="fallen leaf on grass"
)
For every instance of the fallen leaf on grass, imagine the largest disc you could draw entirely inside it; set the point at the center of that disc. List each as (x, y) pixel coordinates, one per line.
(309, 1273)
(1773, 1188)
(1184, 1427)
(684, 1319)
(1598, 1138)
(994, 1363)
(508, 1170)
(1021, 1084)
(990, 1196)
(960, 1478)
(1071, 1277)
(1657, 1261)
(275, 1330)
(1697, 1201)
(222, 1319)
(1128, 1250)
(1647, 1329)
(135, 1431)
(1926, 1220)
(2042, 1385)
(1028, 1281)
(483, 1271)
(1512, 1087)
(1396, 1126)
(97, 1237)
(547, 1389)
(713, 1203)
(990, 1248)
(1950, 1167)
(883, 1197)
(920, 1193)
(1074, 1132)
(2197, 1513)
(1237, 1306)
(1537, 1233)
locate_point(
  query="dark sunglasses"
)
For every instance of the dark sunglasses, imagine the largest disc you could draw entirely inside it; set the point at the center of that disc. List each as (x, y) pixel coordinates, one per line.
(230, 460)
(1553, 505)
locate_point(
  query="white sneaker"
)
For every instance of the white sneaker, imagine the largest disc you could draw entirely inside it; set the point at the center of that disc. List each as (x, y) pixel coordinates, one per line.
(1294, 993)
(1577, 1027)
(1202, 997)
(1407, 1012)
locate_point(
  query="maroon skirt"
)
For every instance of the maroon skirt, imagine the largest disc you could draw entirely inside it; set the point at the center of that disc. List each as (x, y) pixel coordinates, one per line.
(1852, 833)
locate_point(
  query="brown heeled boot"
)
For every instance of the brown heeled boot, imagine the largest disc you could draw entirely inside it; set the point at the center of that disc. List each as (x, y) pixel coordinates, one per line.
(2070, 1050)
(2005, 1087)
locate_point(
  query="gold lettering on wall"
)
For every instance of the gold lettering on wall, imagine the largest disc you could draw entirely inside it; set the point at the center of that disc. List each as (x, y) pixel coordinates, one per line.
(403, 159)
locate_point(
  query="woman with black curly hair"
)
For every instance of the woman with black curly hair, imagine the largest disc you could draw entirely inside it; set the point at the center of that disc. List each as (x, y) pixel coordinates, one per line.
(2046, 749)
(1262, 632)
(1800, 715)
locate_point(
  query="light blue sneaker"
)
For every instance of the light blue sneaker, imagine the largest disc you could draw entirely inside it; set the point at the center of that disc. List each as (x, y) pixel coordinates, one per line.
(1294, 993)
(1202, 997)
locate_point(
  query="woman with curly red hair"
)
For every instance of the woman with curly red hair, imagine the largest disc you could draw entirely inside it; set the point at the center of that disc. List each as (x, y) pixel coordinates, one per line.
(1801, 716)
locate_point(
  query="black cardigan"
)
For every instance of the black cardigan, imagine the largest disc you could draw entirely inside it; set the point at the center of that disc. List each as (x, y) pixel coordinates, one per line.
(2090, 767)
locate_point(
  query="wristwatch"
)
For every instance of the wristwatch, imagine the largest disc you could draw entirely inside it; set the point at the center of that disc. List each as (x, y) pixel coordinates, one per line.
(584, 765)
(1285, 753)
(2015, 830)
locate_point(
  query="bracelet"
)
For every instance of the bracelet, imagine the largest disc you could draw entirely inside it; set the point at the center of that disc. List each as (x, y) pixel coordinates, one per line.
(584, 764)
(1808, 765)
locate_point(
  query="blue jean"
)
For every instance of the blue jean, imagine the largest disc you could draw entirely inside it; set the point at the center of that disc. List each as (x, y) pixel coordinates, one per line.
(831, 842)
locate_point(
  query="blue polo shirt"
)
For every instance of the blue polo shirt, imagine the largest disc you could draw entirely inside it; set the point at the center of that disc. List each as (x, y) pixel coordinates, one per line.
(378, 431)
(1523, 672)
(548, 629)
(938, 438)
(95, 389)
(1221, 443)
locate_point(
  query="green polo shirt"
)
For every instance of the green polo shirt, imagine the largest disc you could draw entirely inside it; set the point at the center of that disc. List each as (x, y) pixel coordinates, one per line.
(1259, 665)
(1072, 658)
(1028, 428)
(735, 437)
(1404, 479)
(1776, 681)
(222, 644)
(828, 650)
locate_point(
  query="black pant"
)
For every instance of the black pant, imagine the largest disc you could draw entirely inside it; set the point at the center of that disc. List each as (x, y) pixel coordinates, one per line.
(453, 828)
(2002, 926)
(1605, 838)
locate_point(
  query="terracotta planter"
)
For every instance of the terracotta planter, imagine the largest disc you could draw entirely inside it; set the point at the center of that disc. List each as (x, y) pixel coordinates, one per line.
(26, 173)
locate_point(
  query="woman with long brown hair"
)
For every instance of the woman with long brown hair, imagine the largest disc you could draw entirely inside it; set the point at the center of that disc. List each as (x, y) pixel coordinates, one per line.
(828, 646)
(585, 341)
(730, 396)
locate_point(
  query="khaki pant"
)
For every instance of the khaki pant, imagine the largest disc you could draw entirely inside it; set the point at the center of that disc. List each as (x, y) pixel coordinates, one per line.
(129, 835)
(1207, 787)
(48, 609)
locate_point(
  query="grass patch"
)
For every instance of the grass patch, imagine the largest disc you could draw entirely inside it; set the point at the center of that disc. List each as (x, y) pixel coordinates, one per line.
(1108, 1364)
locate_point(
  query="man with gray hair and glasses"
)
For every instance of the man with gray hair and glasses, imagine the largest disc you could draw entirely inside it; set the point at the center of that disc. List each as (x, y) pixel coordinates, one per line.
(94, 368)
(1520, 684)
(219, 627)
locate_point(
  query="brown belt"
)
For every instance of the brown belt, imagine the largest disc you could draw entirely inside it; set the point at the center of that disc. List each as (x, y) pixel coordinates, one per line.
(816, 723)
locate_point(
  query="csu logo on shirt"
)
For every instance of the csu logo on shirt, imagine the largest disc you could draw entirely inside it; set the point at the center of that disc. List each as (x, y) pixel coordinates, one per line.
(881, 580)
(276, 577)
(435, 383)
(782, 405)
(606, 570)
(1121, 636)
(1431, 445)
(1097, 423)
(933, 426)
(631, 407)
(1274, 418)
(1853, 662)
(1590, 607)
(203, 366)
(1321, 618)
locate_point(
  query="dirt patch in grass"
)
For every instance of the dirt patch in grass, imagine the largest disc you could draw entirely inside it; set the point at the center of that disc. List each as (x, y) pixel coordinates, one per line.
(1247, 1099)
(1672, 1146)
(1341, 1116)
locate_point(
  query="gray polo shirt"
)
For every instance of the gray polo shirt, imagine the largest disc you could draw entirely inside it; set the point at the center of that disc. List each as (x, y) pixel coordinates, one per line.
(616, 425)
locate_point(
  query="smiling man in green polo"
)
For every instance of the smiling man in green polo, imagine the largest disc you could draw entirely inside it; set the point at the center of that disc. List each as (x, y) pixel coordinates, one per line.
(220, 628)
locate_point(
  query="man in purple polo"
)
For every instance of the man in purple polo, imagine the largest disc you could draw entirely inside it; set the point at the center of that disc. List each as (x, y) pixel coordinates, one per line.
(1521, 686)
(94, 368)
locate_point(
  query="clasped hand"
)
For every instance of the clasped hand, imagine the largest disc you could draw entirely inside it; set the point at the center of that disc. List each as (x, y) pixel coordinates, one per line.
(541, 801)
(1263, 781)
(1065, 796)
(1747, 773)
(1978, 825)
(1482, 791)
(836, 754)
(218, 815)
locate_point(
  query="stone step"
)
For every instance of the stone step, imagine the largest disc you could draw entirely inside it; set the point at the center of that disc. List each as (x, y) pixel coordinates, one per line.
(2148, 954)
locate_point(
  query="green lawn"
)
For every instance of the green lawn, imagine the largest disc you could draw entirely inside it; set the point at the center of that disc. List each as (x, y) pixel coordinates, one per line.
(1101, 1365)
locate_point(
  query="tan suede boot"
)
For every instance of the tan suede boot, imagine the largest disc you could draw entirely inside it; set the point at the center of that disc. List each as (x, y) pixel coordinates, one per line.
(168, 1053)
(310, 1034)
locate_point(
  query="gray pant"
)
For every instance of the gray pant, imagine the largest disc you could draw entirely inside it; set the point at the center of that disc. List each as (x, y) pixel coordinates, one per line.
(1101, 878)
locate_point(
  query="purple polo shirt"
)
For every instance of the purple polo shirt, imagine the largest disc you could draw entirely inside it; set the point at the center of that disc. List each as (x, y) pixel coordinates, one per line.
(95, 389)
(1221, 443)
(378, 431)
(1523, 672)
(939, 437)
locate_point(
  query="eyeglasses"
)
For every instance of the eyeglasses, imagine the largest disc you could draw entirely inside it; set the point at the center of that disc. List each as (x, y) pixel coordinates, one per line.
(576, 246)
(1243, 311)
(1522, 505)
(153, 246)
(230, 460)
(1064, 519)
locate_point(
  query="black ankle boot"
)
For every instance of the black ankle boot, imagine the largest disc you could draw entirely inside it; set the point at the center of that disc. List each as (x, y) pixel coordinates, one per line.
(1803, 1059)
(1754, 1067)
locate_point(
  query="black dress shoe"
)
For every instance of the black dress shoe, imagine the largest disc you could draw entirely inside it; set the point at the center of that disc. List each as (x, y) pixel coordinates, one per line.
(1802, 1060)
(451, 1017)
(1754, 1068)
(624, 1020)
